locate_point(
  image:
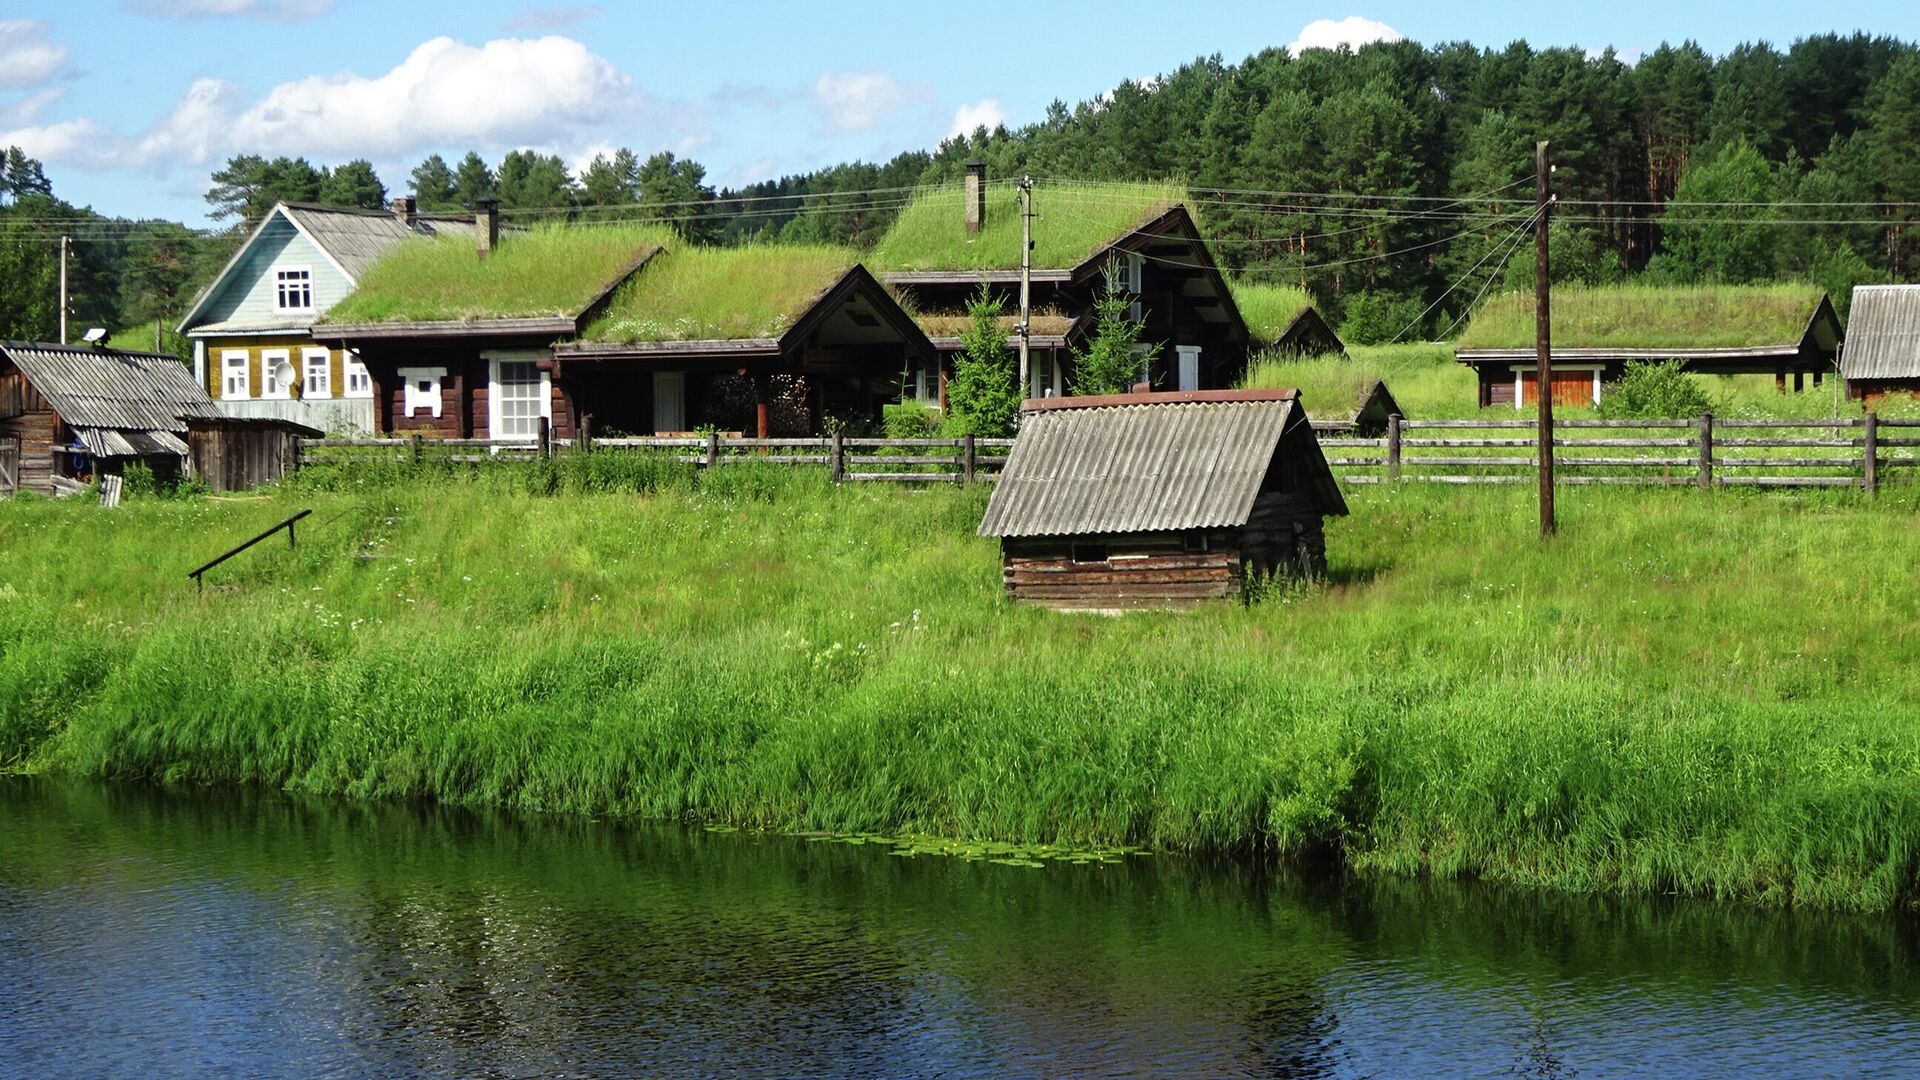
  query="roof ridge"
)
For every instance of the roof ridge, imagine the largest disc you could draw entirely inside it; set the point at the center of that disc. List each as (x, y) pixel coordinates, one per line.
(1174, 397)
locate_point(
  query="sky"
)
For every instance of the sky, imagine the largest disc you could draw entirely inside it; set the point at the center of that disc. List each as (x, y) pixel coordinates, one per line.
(132, 103)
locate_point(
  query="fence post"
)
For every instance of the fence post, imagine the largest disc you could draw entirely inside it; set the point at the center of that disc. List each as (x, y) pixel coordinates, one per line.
(713, 449)
(546, 437)
(839, 456)
(419, 448)
(967, 458)
(1393, 447)
(1871, 446)
(1706, 451)
(584, 437)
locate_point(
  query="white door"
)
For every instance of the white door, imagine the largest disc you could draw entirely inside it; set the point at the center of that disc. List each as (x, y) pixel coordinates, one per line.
(1189, 366)
(519, 399)
(669, 401)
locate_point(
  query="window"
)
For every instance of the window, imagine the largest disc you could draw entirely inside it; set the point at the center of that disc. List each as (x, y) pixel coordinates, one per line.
(359, 379)
(422, 386)
(518, 398)
(1089, 553)
(276, 373)
(293, 289)
(235, 383)
(319, 374)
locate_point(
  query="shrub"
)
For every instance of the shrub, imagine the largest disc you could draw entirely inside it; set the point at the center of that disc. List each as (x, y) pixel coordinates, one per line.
(1373, 318)
(1650, 390)
(1112, 361)
(984, 396)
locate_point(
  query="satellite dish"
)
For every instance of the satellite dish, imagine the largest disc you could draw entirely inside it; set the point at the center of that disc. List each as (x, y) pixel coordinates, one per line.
(95, 336)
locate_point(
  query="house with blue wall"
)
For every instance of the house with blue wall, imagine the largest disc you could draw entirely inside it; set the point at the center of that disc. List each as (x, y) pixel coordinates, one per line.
(252, 329)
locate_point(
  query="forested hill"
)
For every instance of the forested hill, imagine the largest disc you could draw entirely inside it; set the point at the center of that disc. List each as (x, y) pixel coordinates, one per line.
(1389, 180)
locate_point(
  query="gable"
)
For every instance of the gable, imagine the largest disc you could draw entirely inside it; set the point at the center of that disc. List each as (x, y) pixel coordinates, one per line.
(247, 293)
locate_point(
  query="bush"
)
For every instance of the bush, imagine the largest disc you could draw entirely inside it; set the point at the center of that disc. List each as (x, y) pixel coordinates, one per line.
(1374, 318)
(1653, 390)
(911, 420)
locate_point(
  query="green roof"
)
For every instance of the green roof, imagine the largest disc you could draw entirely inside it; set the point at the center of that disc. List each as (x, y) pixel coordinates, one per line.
(1651, 317)
(547, 271)
(1071, 222)
(720, 294)
(1269, 309)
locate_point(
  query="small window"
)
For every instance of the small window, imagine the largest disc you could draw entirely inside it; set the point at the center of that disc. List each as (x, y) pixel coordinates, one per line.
(276, 373)
(1089, 553)
(359, 379)
(319, 374)
(235, 381)
(293, 289)
(1194, 542)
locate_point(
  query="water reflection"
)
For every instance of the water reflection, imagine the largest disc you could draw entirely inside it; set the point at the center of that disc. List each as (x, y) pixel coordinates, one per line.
(145, 931)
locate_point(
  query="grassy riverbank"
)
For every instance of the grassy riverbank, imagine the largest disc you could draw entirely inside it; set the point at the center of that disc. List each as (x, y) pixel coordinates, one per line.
(1702, 694)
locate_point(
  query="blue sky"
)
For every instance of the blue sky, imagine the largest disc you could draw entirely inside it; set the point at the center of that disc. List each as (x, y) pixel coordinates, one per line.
(131, 103)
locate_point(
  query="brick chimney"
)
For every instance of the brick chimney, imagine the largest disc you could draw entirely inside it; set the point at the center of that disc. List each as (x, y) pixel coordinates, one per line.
(403, 208)
(486, 225)
(976, 195)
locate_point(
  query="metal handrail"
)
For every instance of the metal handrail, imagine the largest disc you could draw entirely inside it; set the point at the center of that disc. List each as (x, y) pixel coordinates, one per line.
(287, 525)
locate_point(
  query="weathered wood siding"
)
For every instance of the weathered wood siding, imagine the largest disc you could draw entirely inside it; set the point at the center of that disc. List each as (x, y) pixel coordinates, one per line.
(1172, 570)
(240, 459)
(35, 430)
(1284, 535)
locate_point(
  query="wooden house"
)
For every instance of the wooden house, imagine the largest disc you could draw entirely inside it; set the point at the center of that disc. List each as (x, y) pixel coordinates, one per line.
(1783, 331)
(1882, 352)
(1141, 239)
(253, 344)
(76, 412)
(1159, 500)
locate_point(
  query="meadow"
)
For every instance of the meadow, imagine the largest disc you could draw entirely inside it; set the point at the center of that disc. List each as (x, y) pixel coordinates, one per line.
(1705, 694)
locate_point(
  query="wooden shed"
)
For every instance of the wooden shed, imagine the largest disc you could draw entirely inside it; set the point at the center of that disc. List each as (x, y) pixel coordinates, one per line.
(72, 412)
(1882, 352)
(1160, 500)
(239, 453)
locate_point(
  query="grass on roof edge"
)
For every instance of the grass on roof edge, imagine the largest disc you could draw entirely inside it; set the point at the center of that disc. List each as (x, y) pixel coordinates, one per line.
(702, 294)
(1071, 222)
(1650, 316)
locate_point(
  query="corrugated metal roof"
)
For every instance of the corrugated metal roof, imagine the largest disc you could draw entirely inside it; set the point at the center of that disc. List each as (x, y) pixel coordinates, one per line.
(109, 388)
(1150, 467)
(1883, 333)
(356, 238)
(109, 442)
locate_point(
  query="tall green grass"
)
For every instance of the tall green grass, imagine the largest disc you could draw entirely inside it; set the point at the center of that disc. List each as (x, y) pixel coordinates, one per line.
(1071, 222)
(1268, 309)
(722, 293)
(1650, 316)
(1684, 693)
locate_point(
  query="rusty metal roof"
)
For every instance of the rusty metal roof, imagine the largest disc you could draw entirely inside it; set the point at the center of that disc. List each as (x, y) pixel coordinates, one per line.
(1114, 465)
(110, 388)
(1883, 333)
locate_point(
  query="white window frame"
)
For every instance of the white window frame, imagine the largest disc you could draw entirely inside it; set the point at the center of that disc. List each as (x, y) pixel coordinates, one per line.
(494, 360)
(270, 390)
(308, 389)
(1520, 382)
(227, 357)
(354, 370)
(413, 399)
(1144, 351)
(282, 277)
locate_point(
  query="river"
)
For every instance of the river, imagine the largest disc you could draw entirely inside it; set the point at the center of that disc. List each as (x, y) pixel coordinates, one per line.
(154, 932)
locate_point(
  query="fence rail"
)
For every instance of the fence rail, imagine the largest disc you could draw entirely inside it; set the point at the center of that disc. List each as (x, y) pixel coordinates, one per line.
(921, 461)
(1785, 453)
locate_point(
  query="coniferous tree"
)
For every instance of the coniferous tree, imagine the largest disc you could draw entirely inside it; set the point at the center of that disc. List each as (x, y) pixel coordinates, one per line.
(433, 187)
(472, 181)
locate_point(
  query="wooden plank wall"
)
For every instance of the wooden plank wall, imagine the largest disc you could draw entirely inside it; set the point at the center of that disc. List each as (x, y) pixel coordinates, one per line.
(35, 430)
(1045, 573)
(240, 459)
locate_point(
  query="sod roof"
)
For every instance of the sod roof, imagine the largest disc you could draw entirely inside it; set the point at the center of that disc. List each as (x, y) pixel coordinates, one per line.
(1651, 317)
(548, 271)
(1269, 310)
(721, 294)
(1071, 223)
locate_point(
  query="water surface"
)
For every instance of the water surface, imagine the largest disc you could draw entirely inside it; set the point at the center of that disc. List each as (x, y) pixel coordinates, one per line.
(149, 932)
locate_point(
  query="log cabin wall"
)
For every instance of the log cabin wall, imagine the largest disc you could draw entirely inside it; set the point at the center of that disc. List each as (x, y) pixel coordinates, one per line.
(1284, 535)
(1123, 571)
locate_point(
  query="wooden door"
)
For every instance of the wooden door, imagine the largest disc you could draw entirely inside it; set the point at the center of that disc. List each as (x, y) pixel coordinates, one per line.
(669, 402)
(9, 465)
(1569, 387)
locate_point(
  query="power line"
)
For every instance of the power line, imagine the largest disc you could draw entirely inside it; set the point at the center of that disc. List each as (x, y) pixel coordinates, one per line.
(1504, 241)
(1518, 241)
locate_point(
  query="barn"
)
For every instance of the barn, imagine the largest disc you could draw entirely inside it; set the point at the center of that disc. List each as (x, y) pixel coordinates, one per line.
(1882, 353)
(1160, 500)
(71, 412)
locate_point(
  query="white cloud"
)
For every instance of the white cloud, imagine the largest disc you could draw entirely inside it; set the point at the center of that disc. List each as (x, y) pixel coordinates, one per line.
(856, 101)
(1352, 31)
(264, 10)
(27, 58)
(985, 113)
(28, 109)
(562, 17)
(551, 93)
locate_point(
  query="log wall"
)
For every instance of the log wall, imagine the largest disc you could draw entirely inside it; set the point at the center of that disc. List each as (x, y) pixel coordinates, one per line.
(1137, 572)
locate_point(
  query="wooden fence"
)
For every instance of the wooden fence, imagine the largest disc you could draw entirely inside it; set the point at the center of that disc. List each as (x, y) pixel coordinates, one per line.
(1704, 452)
(960, 460)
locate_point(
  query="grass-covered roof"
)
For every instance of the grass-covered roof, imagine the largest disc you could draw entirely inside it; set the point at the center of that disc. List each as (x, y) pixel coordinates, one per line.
(1268, 309)
(1651, 317)
(546, 271)
(1071, 222)
(721, 294)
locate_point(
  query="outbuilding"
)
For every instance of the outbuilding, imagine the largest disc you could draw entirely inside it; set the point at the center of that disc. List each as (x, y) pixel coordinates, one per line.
(74, 412)
(1882, 353)
(1160, 500)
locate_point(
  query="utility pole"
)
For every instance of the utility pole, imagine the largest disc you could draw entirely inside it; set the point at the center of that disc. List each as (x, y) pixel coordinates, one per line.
(1543, 335)
(1026, 278)
(65, 244)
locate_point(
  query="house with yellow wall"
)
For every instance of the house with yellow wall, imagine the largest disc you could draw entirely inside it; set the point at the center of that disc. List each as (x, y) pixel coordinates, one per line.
(252, 329)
